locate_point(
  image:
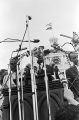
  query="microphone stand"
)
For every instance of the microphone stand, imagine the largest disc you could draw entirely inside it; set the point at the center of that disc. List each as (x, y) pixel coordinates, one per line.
(18, 89)
(9, 76)
(33, 82)
(20, 94)
(47, 89)
(10, 94)
(35, 87)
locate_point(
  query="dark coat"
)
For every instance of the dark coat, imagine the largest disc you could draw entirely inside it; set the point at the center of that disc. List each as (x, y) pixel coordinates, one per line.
(72, 75)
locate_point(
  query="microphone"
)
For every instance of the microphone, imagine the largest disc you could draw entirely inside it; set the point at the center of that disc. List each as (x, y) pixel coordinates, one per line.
(20, 50)
(29, 17)
(46, 52)
(35, 41)
(22, 55)
(66, 36)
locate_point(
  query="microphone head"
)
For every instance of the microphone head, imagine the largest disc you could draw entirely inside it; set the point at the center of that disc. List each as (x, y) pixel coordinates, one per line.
(46, 52)
(29, 17)
(17, 50)
(36, 40)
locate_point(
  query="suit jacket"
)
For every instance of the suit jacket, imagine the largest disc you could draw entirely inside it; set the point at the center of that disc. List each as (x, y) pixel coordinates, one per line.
(72, 75)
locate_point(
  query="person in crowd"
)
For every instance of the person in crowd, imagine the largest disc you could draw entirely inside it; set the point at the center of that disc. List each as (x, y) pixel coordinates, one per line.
(3, 72)
(26, 74)
(71, 110)
(72, 75)
(7, 78)
(39, 73)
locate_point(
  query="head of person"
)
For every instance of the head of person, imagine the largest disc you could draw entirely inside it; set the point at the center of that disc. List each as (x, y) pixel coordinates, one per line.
(73, 56)
(3, 72)
(13, 63)
(69, 112)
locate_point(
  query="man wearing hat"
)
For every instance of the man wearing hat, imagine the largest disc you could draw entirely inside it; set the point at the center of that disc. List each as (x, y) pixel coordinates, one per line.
(72, 75)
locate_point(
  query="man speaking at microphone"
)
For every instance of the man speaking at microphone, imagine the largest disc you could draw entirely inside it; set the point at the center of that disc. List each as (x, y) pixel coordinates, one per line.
(72, 75)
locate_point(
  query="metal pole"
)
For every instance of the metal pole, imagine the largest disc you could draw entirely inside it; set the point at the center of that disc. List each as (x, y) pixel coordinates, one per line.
(18, 89)
(47, 89)
(35, 86)
(20, 85)
(22, 98)
(34, 96)
(9, 72)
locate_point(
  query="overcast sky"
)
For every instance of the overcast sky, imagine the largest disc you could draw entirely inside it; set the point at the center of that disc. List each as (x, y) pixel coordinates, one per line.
(63, 14)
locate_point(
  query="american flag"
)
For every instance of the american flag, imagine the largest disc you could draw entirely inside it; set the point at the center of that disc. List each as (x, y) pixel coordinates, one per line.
(49, 26)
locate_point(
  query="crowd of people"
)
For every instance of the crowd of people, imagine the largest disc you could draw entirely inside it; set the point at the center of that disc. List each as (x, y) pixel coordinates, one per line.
(70, 110)
(71, 93)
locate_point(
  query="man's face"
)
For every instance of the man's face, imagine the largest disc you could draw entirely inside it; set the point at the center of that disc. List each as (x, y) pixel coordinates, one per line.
(75, 60)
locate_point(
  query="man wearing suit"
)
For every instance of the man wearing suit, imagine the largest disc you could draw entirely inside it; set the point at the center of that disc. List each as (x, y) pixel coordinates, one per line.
(72, 75)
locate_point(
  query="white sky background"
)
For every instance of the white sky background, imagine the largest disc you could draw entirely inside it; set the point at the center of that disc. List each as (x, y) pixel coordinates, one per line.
(63, 14)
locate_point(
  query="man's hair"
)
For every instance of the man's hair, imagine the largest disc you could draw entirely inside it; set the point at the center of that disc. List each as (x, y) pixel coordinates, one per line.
(69, 112)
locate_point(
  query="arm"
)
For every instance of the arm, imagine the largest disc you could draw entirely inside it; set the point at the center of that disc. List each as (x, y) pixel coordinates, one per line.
(68, 94)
